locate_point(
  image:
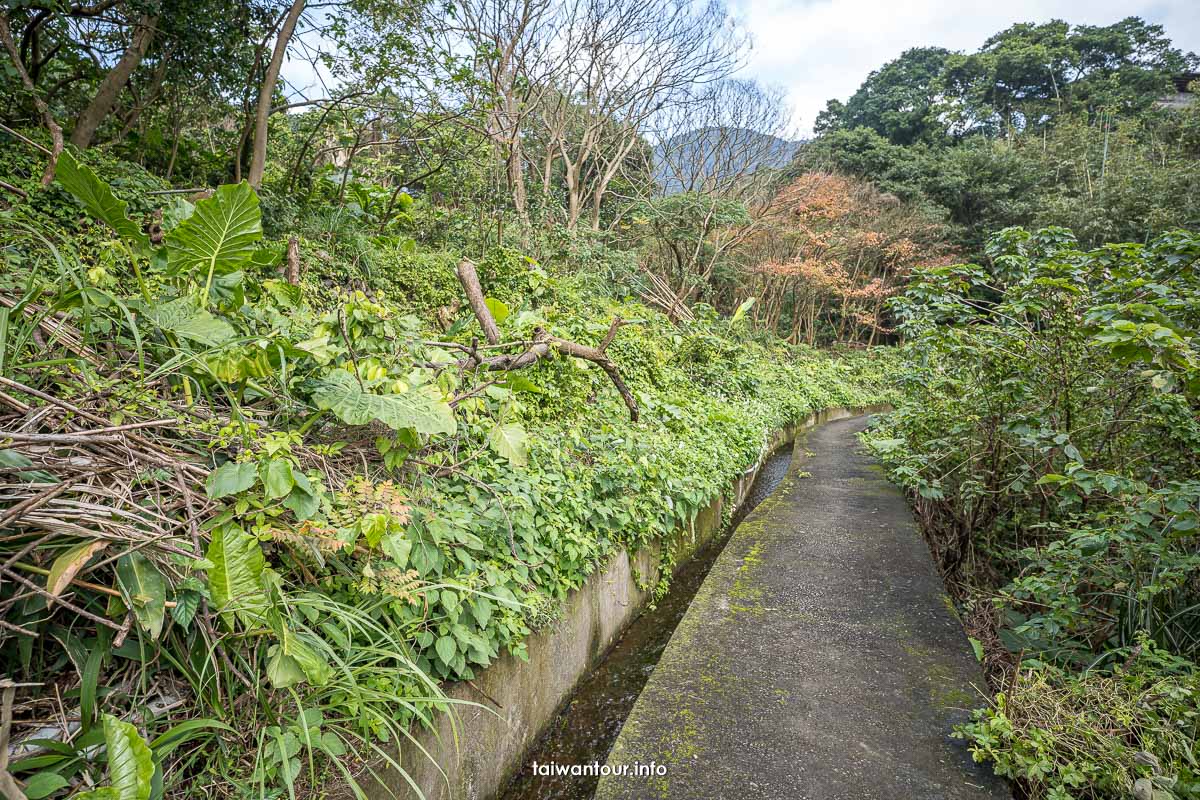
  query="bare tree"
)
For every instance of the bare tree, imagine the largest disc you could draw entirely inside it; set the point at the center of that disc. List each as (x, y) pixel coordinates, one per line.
(716, 159)
(724, 139)
(513, 46)
(628, 59)
(48, 120)
(567, 87)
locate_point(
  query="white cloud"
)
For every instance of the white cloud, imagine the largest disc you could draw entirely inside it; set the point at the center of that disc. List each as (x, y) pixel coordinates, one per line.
(821, 49)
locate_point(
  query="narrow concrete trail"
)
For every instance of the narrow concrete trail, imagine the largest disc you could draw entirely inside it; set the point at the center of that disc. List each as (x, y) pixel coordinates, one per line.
(820, 658)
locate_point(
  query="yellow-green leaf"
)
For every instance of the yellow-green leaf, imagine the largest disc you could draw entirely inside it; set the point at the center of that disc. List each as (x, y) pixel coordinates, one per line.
(67, 566)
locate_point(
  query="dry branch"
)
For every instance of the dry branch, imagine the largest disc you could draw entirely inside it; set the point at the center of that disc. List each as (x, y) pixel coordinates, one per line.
(468, 276)
(543, 345)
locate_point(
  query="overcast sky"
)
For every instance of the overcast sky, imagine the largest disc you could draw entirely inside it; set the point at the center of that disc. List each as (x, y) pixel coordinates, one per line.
(821, 49)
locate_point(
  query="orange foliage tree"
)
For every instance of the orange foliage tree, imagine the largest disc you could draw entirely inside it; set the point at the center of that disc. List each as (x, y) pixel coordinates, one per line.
(828, 252)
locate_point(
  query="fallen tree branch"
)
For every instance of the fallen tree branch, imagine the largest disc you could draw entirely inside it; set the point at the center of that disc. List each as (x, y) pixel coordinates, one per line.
(543, 345)
(469, 278)
(17, 190)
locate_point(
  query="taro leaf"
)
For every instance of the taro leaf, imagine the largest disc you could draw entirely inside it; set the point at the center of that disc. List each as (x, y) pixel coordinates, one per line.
(130, 762)
(510, 441)
(144, 590)
(235, 579)
(221, 234)
(230, 478)
(228, 292)
(184, 318)
(98, 199)
(293, 660)
(267, 256)
(67, 566)
(283, 293)
(421, 409)
(319, 348)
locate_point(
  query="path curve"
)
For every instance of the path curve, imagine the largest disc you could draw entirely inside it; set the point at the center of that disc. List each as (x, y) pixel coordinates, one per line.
(820, 659)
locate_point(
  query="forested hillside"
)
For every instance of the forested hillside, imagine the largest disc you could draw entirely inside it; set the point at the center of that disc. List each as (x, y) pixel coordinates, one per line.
(314, 400)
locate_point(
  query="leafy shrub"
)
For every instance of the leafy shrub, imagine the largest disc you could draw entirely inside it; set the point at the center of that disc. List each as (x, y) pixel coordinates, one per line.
(1128, 732)
(1048, 438)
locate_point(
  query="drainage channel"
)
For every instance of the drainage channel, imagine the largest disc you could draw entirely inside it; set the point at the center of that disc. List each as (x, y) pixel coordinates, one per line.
(584, 731)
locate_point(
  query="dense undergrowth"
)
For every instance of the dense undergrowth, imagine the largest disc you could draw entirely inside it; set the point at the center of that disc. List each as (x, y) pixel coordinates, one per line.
(256, 524)
(1048, 436)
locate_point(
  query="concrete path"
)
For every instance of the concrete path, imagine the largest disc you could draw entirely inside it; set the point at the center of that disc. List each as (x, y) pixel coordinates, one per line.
(820, 658)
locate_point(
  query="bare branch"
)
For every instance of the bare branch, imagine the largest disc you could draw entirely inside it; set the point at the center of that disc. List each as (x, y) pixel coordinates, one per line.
(543, 345)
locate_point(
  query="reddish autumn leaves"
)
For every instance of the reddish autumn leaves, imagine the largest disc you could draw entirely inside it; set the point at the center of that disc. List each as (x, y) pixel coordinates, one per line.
(829, 252)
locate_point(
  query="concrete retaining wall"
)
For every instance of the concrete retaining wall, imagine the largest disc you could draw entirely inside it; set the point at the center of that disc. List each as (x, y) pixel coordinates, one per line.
(478, 748)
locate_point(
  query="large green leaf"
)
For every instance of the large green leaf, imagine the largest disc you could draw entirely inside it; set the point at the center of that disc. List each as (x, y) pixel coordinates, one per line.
(144, 590)
(746, 305)
(235, 578)
(498, 308)
(130, 762)
(421, 409)
(510, 441)
(220, 235)
(293, 660)
(185, 318)
(98, 199)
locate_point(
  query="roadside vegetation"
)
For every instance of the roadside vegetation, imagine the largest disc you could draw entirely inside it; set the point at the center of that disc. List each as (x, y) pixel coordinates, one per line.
(312, 401)
(1048, 432)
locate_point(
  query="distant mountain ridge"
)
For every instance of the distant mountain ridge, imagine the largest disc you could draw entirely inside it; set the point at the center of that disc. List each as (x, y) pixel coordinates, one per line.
(717, 155)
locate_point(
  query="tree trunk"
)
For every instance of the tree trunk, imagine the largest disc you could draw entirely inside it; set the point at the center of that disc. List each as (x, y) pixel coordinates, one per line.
(258, 159)
(110, 88)
(574, 201)
(516, 180)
